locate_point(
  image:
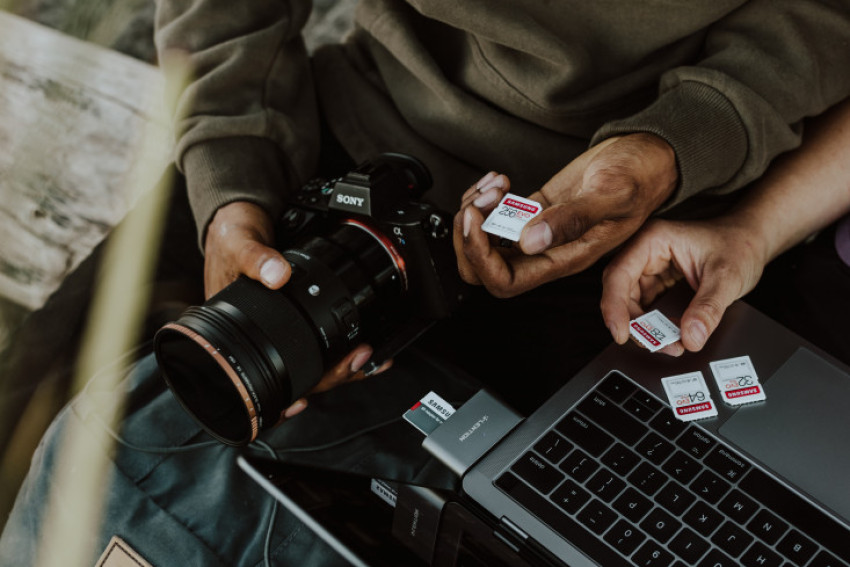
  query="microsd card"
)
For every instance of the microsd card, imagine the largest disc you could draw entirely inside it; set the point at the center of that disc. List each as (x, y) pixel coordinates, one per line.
(429, 413)
(654, 331)
(689, 396)
(737, 381)
(510, 216)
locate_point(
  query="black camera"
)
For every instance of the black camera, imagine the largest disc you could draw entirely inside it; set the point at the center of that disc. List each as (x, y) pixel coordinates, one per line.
(371, 264)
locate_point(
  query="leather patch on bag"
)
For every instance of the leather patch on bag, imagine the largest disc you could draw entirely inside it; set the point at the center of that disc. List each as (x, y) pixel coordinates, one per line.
(119, 554)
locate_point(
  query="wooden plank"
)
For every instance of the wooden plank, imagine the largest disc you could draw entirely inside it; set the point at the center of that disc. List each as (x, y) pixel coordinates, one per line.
(72, 116)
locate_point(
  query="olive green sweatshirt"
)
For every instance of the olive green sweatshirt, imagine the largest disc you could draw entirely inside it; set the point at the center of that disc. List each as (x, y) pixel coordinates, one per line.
(521, 87)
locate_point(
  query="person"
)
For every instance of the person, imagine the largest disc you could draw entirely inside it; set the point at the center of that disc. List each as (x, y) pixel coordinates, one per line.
(606, 116)
(723, 258)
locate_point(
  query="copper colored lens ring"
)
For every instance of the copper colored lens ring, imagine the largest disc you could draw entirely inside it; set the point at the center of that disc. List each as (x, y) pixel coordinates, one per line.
(234, 378)
(387, 245)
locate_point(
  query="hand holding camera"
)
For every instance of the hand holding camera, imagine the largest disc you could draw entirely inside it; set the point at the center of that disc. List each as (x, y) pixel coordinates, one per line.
(371, 264)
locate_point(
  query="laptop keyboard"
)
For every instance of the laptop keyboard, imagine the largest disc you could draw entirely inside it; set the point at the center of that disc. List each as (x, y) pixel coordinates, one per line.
(627, 483)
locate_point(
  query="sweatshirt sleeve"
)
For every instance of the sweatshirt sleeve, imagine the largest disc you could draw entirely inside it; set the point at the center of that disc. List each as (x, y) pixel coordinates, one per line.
(764, 68)
(245, 119)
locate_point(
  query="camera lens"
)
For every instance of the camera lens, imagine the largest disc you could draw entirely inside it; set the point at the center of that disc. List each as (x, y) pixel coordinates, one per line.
(239, 360)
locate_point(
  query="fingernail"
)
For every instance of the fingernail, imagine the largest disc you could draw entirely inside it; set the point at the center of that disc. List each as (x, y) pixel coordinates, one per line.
(272, 272)
(358, 361)
(295, 409)
(699, 333)
(488, 197)
(537, 238)
(484, 180)
(467, 222)
(498, 182)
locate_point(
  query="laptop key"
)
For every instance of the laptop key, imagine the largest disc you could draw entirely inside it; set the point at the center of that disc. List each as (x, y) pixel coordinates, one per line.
(597, 516)
(647, 479)
(648, 400)
(689, 545)
(570, 496)
(585, 434)
(537, 472)
(732, 539)
(682, 467)
(638, 410)
(738, 506)
(605, 413)
(727, 463)
(667, 425)
(716, 558)
(695, 442)
(660, 525)
(579, 465)
(553, 447)
(617, 387)
(654, 448)
(651, 554)
(767, 527)
(703, 518)
(624, 537)
(620, 459)
(797, 548)
(758, 555)
(675, 498)
(709, 486)
(605, 485)
(632, 504)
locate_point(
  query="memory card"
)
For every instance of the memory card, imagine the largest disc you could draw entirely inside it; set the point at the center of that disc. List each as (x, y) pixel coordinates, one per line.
(429, 413)
(689, 396)
(737, 381)
(654, 331)
(510, 216)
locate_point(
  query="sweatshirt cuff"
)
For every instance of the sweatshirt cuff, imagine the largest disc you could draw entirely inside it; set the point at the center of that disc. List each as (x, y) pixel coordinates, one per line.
(225, 170)
(703, 128)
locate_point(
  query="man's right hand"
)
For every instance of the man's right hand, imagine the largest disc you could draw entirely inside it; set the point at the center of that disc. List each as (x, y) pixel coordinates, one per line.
(238, 242)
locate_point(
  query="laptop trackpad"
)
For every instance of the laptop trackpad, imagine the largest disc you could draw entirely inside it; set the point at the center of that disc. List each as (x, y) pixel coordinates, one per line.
(801, 430)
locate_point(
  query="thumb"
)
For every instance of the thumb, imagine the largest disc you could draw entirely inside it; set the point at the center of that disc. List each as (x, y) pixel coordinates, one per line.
(716, 292)
(559, 224)
(263, 263)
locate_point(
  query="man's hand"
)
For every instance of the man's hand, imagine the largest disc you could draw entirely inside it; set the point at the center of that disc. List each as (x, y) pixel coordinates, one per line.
(238, 242)
(720, 260)
(590, 207)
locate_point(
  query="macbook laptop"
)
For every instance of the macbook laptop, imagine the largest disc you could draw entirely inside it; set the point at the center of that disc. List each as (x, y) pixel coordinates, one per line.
(604, 473)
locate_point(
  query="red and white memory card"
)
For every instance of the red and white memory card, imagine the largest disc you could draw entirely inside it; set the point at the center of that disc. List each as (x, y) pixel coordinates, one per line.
(429, 413)
(654, 331)
(737, 381)
(510, 216)
(689, 396)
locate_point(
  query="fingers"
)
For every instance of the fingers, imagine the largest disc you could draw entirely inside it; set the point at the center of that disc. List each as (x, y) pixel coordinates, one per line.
(717, 290)
(238, 241)
(350, 368)
(476, 203)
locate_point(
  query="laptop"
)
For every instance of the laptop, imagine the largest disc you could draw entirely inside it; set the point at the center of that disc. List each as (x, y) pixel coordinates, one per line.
(603, 473)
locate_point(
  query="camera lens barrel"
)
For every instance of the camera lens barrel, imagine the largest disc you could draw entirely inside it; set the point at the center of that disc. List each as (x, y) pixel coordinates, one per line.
(238, 361)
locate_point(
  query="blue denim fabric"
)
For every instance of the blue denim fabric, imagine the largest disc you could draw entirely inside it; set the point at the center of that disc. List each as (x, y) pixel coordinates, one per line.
(197, 507)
